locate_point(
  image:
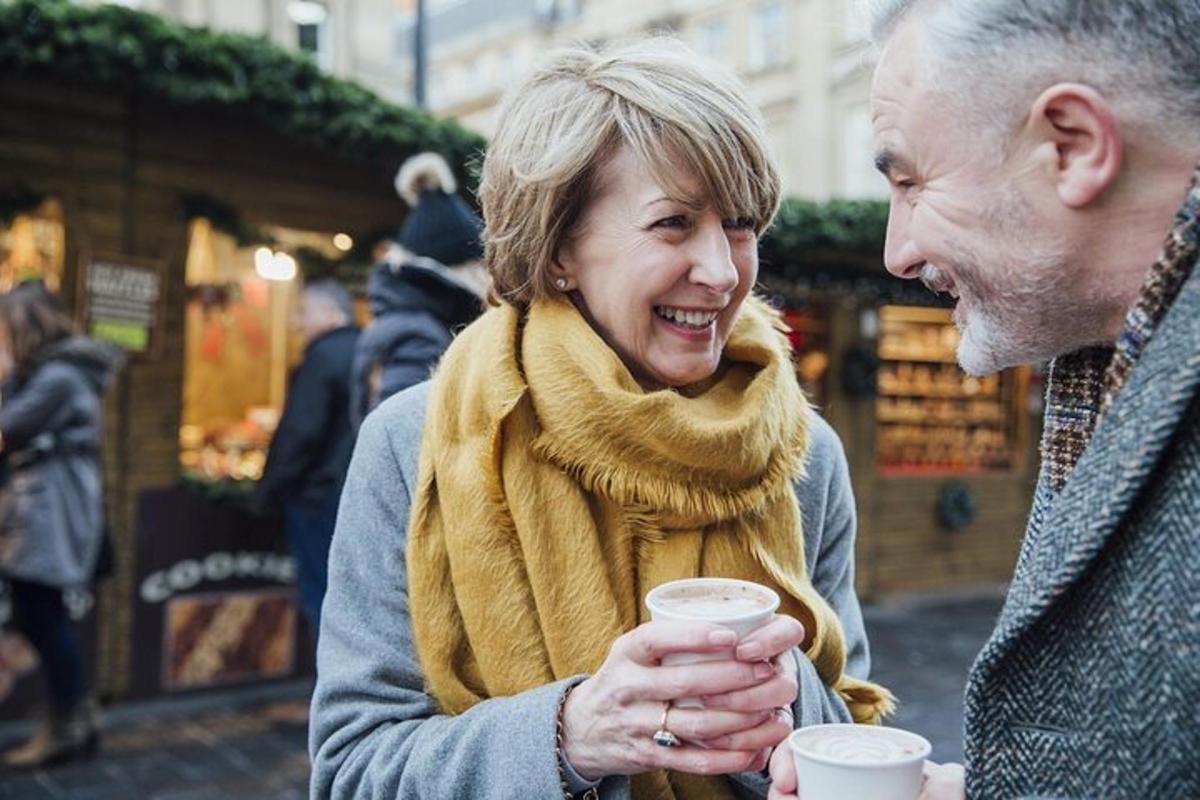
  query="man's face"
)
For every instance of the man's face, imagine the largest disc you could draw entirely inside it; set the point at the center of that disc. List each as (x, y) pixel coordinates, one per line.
(965, 221)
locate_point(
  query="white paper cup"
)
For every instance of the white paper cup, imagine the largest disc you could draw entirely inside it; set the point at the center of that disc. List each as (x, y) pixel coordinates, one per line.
(838, 773)
(741, 623)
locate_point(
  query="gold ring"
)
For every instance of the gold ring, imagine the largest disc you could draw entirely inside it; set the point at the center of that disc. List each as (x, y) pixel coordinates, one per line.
(663, 736)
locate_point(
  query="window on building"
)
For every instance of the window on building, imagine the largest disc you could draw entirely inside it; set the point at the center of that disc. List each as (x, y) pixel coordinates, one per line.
(312, 25)
(712, 38)
(854, 26)
(860, 179)
(770, 40)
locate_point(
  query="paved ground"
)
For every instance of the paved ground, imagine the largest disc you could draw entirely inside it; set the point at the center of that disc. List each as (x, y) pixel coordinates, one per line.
(250, 744)
(921, 650)
(240, 745)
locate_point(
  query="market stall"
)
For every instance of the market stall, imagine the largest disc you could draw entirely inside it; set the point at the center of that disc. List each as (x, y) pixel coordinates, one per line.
(177, 185)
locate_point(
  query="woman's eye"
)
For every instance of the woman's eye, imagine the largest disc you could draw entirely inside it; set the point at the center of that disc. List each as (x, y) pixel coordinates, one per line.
(677, 221)
(741, 224)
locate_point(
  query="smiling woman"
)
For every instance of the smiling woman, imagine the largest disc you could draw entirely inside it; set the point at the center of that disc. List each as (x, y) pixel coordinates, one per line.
(626, 415)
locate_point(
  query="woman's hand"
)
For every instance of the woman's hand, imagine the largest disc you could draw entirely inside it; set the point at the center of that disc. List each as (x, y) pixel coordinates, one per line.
(609, 719)
(773, 642)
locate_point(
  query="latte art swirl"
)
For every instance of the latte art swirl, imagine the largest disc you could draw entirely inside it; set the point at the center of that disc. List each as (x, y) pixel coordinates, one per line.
(857, 747)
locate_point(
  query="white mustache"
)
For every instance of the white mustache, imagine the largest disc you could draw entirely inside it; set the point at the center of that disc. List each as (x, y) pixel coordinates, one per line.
(935, 280)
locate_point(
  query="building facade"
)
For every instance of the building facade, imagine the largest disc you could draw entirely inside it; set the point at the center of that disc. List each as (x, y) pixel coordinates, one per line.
(805, 61)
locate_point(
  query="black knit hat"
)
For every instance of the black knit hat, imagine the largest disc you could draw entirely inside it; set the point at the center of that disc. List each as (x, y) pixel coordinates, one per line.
(440, 224)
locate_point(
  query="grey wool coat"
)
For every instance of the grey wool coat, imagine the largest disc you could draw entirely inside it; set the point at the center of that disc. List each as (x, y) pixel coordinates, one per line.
(1090, 684)
(51, 504)
(375, 733)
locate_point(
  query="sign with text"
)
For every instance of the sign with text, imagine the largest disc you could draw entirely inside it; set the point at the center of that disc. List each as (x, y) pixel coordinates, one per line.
(121, 301)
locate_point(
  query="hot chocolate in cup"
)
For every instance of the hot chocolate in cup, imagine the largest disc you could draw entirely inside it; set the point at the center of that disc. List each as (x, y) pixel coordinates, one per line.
(740, 606)
(834, 762)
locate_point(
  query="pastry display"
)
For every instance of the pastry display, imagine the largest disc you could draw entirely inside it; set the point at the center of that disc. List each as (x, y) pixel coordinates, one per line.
(930, 415)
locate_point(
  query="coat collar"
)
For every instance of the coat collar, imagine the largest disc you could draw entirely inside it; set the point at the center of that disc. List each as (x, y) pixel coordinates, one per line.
(1112, 473)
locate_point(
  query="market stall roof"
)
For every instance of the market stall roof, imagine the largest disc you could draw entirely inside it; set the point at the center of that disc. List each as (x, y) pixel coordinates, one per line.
(834, 247)
(120, 48)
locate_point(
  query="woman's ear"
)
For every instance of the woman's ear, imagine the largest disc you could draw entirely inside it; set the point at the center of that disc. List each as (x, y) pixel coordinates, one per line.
(1078, 130)
(562, 271)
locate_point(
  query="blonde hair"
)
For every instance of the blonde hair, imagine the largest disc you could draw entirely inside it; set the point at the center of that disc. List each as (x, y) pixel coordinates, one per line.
(683, 117)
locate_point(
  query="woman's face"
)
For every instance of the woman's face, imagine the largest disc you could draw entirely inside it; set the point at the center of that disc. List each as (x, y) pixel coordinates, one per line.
(660, 280)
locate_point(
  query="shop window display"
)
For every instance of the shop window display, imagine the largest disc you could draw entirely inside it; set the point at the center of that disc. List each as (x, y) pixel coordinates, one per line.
(932, 417)
(241, 344)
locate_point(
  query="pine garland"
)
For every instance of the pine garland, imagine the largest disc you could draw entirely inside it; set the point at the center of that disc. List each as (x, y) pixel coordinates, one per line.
(120, 48)
(136, 51)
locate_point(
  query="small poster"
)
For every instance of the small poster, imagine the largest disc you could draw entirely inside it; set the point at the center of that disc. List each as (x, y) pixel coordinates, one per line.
(121, 301)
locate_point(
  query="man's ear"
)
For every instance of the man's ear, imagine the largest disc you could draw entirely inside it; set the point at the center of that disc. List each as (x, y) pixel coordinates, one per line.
(1076, 129)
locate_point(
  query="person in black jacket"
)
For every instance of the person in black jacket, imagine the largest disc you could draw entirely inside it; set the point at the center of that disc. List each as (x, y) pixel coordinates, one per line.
(310, 451)
(430, 285)
(51, 505)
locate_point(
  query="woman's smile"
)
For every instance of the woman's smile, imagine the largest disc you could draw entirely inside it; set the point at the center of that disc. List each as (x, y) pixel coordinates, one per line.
(691, 324)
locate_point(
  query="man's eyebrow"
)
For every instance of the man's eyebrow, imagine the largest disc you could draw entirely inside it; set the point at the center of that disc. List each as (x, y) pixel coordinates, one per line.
(888, 161)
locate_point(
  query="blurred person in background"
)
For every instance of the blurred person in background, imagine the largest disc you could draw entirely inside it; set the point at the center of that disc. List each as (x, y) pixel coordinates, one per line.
(627, 414)
(430, 285)
(310, 450)
(51, 504)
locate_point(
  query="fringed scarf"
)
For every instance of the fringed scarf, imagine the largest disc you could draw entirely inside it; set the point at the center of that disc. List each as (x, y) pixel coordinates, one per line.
(555, 492)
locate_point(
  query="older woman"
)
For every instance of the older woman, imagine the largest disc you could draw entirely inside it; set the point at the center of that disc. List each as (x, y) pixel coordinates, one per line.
(626, 415)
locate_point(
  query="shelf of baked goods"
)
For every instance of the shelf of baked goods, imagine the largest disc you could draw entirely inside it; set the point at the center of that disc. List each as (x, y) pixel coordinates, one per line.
(919, 380)
(914, 449)
(910, 354)
(989, 413)
(917, 334)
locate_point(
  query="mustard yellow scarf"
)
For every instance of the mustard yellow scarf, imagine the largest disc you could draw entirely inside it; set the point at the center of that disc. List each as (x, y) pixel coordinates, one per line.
(555, 492)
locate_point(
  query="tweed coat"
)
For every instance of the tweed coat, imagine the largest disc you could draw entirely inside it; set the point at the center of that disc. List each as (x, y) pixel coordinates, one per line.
(1090, 685)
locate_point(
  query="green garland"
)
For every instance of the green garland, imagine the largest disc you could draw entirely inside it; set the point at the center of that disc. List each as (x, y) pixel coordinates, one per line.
(806, 231)
(131, 50)
(120, 48)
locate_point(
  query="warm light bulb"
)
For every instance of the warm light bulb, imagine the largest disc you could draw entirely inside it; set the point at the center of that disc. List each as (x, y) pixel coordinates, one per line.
(262, 260)
(274, 266)
(343, 242)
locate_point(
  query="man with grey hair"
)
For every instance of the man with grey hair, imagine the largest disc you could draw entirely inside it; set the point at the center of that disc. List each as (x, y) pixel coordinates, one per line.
(1043, 158)
(310, 451)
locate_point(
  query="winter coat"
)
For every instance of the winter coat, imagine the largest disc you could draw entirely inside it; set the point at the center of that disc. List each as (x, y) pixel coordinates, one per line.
(311, 449)
(375, 730)
(51, 504)
(1090, 685)
(417, 309)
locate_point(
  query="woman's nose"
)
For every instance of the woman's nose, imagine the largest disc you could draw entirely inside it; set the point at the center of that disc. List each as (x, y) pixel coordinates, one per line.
(712, 264)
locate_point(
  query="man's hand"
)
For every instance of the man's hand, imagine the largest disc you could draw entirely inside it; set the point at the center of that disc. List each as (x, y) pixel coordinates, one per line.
(944, 782)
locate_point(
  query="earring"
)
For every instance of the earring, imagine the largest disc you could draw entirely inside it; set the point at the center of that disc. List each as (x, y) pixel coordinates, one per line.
(561, 284)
